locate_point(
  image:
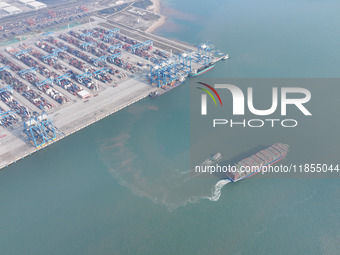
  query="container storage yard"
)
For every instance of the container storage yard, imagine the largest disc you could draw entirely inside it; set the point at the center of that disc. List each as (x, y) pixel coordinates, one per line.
(56, 83)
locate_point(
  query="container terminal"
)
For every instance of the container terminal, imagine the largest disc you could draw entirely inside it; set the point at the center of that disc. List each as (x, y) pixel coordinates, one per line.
(55, 82)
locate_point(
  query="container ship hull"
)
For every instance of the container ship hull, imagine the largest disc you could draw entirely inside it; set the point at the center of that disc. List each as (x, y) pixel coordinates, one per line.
(202, 70)
(257, 162)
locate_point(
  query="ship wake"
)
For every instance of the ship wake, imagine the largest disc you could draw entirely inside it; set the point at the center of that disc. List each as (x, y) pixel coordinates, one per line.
(166, 185)
(217, 190)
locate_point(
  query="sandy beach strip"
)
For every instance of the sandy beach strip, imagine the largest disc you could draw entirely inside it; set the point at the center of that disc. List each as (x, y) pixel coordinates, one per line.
(156, 8)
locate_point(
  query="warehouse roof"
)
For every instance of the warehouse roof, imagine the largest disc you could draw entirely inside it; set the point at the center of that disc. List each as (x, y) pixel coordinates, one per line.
(36, 5)
(3, 4)
(12, 9)
(25, 1)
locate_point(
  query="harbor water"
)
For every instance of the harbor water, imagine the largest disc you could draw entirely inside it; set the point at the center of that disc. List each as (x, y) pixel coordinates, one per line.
(124, 184)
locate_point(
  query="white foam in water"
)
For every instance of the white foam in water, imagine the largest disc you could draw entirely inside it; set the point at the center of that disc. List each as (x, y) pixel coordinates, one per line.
(171, 189)
(217, 192)
(184, 172)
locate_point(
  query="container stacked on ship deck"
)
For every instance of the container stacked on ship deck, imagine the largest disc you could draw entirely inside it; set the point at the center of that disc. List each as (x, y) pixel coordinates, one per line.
(254, 164)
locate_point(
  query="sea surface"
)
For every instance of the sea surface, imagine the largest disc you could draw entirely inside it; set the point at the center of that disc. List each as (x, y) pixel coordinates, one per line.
(124, 185)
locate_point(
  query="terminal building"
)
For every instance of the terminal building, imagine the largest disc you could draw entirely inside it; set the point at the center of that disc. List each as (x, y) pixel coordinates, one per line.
(3, 5)
(11, 10)
(36, 5)
(32, 4)
(25, 2)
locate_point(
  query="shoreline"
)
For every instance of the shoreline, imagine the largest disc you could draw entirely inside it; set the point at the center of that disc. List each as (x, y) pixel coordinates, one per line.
(156, 8)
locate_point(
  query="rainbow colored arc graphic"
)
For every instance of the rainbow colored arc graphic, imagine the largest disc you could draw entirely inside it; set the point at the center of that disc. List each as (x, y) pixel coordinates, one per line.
(209, 93)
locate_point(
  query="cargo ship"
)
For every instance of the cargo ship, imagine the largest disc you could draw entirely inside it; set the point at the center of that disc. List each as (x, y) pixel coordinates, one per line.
(255, 163)
(167, 88)
(202, 69)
